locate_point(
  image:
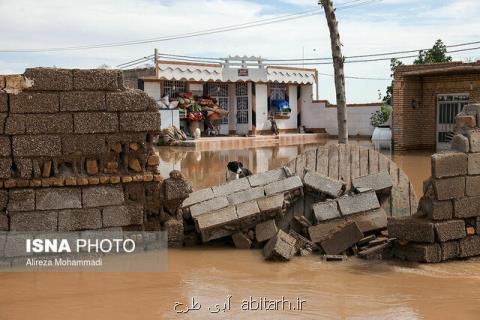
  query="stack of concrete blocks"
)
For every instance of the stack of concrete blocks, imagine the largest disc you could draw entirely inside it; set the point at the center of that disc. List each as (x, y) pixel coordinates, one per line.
(248, 209)
(76, 151)
(341, 219)
(447, 225)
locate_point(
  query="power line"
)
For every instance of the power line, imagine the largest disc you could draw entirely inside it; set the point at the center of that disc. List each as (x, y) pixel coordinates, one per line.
(242, 26)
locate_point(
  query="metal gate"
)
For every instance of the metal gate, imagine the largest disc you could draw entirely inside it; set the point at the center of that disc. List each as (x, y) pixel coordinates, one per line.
(242, 108)
(219, 91)
(448, 106)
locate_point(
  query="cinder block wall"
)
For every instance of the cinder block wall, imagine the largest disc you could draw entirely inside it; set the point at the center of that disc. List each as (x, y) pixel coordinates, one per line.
(76, 151)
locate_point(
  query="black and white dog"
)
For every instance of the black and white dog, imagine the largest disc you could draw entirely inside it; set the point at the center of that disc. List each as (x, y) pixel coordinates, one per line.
(235, 170)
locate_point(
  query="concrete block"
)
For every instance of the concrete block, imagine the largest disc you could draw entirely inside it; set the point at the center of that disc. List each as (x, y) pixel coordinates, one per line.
(472, 187)
(5, 168)
(3, 118)
(208, 206)
(460, 143)
(33, 221)
(84, 144)
(34, 102)
(248, 210)
(5, 147)
(469, 246)
(264, 178)
(449, 164)
(380, 182)
(79, 219)
(325, 185)
(176, 189)
(140, 121)
(50, 79)
(377, 252)
(437, 210)
(341, 238)
(24, 167)
(48, 123)
(3, 101)
(271, 203)
(281, 247)
(4, 198)
(473, 163)
(58, 198)
(474, 139)
(210, 224)
(175, 231)
(465, 121)
(231, 187)
(284, 185)
(130, 100)
(266, 230)
(411, 229)
(37, 146)
(15, 124)
(241, 241)
(97, 79)
(323, 211)
(467, 207)
(246, 195)
(120, 216)
(99, 196)
(198, 196)
(419, 252)
(449, 188)
(21, 200)
(320, 231)
(450, 230)
(450, 250)
(95, 122)
(357, 203)
(82, 101)
(3, 227)
(370, 221)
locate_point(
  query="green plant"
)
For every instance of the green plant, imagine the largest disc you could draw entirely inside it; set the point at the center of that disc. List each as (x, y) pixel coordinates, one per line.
(381, 116)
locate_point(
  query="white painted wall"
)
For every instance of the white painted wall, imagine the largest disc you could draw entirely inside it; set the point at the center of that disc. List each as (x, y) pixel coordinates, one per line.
(152, 89)
(261, 107)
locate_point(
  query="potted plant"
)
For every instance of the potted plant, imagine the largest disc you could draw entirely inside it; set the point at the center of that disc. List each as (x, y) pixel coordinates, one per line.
(382, 135)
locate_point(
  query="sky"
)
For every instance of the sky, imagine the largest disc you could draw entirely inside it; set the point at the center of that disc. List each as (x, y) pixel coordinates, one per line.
(381, 26)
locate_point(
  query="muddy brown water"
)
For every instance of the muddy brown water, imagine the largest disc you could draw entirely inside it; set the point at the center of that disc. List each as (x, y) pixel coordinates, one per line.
(354, 289)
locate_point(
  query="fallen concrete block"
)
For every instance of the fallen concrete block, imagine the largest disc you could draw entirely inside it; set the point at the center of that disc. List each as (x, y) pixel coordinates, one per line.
(342, 238)
(247, 213)
(198, 196)
(366, 240)
(449, 164)
(241, 241)
(246, 195)
(469, 246)
(450, 230)
(263, 178)
(328, 210)
(378, 252)
(266, 230)
(370, 221)
(450, 250)
(303, 243)
(449, 188)
(467, 207)
(419, 252)
(212, 225)
(208, 206)
(271, 203)
(436, 210)
(411, 229)
(357, 203)
(284, 185)
(460, 143)
(380, 182)
(231, 187)
(327, 186)
(280, 247)
(320, 231)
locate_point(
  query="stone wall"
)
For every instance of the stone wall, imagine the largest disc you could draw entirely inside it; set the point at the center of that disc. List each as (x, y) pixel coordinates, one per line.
(447, 224)
(76, 152)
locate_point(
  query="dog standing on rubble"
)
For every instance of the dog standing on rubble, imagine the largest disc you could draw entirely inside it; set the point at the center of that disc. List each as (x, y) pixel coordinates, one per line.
(235, 170)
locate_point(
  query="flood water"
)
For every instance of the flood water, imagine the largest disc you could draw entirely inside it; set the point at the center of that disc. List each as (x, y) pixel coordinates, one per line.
(354, 289)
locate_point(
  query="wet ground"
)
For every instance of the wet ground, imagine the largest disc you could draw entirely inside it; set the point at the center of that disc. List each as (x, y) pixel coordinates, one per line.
(354, 289)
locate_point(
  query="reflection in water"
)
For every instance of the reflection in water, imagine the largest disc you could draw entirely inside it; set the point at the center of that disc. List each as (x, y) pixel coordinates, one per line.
(353, 289)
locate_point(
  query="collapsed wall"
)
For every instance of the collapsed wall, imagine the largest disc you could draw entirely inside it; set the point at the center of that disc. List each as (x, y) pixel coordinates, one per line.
(76, 153)
(447, 224)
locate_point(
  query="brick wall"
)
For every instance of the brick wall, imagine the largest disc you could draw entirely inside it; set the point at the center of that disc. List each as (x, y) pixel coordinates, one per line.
(415, 128)
(76, 152)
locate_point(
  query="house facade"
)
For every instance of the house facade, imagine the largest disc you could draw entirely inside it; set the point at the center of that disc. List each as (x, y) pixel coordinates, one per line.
(244, 86)
(426, 99)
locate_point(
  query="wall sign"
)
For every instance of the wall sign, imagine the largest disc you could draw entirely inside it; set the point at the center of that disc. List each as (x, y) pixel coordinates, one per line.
(243, 72)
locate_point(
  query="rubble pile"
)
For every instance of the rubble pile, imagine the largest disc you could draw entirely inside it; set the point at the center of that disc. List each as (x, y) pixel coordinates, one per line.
(447, 224)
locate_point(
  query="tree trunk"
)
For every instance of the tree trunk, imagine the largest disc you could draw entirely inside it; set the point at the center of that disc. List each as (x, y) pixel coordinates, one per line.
(339, 72)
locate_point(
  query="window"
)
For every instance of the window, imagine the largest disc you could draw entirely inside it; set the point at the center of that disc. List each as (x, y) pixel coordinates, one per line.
(449, 105)
(171, 87)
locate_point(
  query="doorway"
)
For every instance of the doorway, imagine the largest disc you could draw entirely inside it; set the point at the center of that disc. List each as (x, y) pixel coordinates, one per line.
(448, 106)
(241, 91)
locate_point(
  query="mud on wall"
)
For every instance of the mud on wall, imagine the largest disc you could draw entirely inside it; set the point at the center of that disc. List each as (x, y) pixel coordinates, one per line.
(76, 151)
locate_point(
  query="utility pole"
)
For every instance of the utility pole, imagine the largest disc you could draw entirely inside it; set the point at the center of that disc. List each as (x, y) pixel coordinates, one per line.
(339, 71)
(155, 56)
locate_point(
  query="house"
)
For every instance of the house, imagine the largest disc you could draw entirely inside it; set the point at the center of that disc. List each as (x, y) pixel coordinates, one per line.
(244, 86)
(426, 99)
